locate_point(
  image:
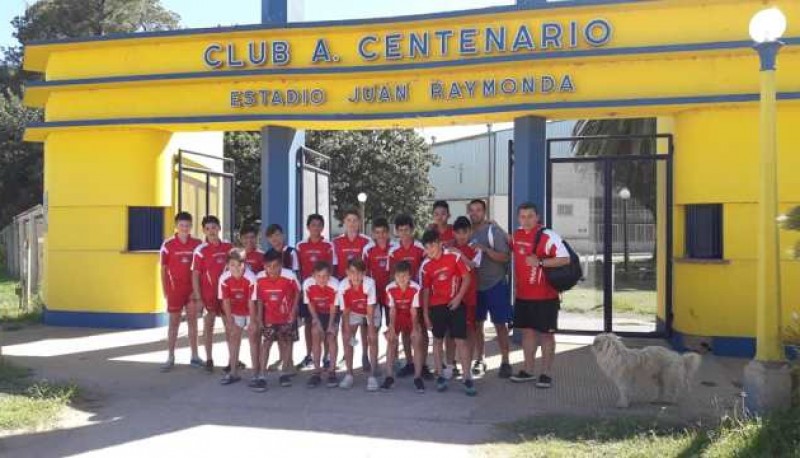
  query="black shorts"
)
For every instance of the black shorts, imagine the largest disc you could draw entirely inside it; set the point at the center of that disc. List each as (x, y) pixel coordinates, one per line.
(304, 313)
(539, 315)
(446, 322)
(325, 320)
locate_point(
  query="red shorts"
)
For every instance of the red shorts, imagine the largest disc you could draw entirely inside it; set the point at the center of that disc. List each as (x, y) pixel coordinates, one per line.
(403, 322)
(178, 298)
(213, 304)
(471, 315)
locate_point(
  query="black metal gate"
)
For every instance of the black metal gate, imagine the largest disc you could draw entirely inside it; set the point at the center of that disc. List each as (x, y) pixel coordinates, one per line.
(203, 190)
(313, 188)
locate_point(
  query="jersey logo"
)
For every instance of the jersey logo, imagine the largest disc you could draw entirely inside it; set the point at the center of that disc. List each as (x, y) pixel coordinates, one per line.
(186, 259)
(274, 296)
(442, 276)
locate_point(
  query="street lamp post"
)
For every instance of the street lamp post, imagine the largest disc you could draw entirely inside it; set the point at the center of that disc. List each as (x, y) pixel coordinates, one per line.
(767, 379)
(362, 203)
(625, 195)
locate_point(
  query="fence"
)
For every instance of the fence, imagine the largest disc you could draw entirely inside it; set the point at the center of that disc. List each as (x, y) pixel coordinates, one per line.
(22, 244)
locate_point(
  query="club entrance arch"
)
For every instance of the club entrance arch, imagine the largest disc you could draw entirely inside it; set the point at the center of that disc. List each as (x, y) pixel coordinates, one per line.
(117, 101)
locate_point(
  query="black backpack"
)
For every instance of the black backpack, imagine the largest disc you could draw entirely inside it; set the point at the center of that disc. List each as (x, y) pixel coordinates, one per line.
(565, 277)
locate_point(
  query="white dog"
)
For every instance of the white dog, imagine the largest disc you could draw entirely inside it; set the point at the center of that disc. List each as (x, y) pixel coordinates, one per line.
(670, 370)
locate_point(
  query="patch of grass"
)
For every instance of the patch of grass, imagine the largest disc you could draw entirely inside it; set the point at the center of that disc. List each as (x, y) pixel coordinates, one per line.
(10, 311)
(28, 403)
(777, 435)
(584, 300)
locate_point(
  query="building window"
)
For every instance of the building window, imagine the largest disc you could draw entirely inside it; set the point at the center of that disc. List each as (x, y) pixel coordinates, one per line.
(704, 231)
(145, 228)
(564, 209)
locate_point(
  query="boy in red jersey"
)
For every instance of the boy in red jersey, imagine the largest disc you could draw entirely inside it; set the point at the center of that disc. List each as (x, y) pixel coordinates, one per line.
(357, 298)
(236, 291)
(441, 214)
(253, 256)
(472, 257)
(277, 295)
(403, 297)
(176, 283)
(376, 257)
(537, 302)
(409, 250)
(277, 241)
(445, 281)
(310, 251)
(319, 292)
(208, 264)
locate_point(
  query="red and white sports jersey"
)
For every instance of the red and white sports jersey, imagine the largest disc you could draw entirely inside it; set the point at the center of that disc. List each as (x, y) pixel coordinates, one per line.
(321, 297)
(446, 236)
(310, 252)
(237, 290)
(356, 299)
(277, 296)
(442, 277)
(414, 253)
(177, 257)
(347, 250)
(254, 260)
(471, 253)
(376, 258)
(530, 281)
(211, 259)
(404, 300)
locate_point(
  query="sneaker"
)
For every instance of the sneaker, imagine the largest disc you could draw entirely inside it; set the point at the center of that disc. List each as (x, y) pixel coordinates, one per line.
(426, 373)
(441, 384)
(314, 381)
(229, 379)
(210, 365)
(372, 384)
(306, 362)
(387, 384)
(326, 363)
(456, 372)
(406, 371)
(478, 368)
(197, 362)
(419, 385)
(544, 382)
(347, 382)
(253, 383)
(260, 385)
(505, 371)
(333, 382)
(469, 388)
(447, 372)
(168, 365)
(227, 368)
(284, 380)
(365, 363)
(522, 377)
(241, 366)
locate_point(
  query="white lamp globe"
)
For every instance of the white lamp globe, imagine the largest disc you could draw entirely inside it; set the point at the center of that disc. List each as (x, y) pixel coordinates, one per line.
(362, 197)
(624, 193)
(767, 25)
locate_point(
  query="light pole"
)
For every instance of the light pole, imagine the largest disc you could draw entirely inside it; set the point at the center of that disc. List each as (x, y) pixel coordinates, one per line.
(362, 201)
(767, 379)
(625, 195)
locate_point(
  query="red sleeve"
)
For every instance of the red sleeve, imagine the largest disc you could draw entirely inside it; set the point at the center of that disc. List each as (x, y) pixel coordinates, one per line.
(424, 278)
(164, 256)
(461, 267)
(197, 263)
(225, 290)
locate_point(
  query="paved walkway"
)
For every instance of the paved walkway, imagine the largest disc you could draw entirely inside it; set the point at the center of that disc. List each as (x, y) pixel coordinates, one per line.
(130, 408)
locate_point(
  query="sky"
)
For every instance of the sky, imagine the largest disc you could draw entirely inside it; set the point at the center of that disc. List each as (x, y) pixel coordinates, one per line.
(210, 13)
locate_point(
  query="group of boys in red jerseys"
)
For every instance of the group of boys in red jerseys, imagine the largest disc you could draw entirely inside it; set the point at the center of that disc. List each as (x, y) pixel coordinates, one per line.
(352, 282)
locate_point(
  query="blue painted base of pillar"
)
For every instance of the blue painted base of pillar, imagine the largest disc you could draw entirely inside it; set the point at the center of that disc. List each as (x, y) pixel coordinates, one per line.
(736, 347)
(104, 320)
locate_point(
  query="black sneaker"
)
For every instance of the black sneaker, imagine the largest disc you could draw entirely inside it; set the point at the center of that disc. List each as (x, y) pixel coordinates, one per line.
(306, 362)
(419, 385)
(426, 373)
(314, 381)
(544, 382)
(469, 388)
(253, 383)
(210, 365)
(522, 377)
(441, 384)
(456, 372)
(333, 381)
(284, 380)
(478, 368)
(260, 385)
(505, 371)
(365, 364)
(226, 369)
(406, 371)
(326, 363)
(387, 384)
(241, 366)
(229, 379)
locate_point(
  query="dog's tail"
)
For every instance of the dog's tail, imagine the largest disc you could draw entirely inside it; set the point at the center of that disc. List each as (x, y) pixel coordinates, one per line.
(691, 362)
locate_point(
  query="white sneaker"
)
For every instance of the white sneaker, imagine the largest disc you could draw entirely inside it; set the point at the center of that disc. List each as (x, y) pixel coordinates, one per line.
(447, 372)
(372, 384)
(347, 382)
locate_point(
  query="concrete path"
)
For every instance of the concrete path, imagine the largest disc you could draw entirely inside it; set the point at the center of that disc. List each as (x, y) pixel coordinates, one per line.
(129, 408)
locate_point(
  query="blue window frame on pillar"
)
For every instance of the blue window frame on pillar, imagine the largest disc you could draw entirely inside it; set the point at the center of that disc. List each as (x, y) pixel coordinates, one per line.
(704, 231)
(145, 228)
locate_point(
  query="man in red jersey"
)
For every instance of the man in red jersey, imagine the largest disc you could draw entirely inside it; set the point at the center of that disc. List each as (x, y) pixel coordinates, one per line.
(319, 292)
(441, 214)
(235, 291)
(310, 251)
(445, 281)
(376, 257)
(350, 246)
(358, 301)
(253, 256)
(277, 295)
(537, 302)
(409, 250)
(403, 297)
(472, 257)
(208, 263)
(176, 283)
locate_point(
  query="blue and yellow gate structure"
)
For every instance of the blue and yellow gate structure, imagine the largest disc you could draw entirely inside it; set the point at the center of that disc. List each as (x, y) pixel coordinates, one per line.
(116, 101)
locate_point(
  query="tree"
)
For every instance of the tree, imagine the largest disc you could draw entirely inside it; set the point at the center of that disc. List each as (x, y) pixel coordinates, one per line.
(244, 149)
(20, 162)
(391, 166)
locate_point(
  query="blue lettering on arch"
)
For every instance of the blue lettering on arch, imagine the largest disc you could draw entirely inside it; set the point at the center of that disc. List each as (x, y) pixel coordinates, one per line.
(566, 84)
(489, 88)
(437, 90)
(444, 36)
(466, 41)
(280, 53)
(522, 39)
(392, 42)
(495, 39)
(601, 25)
(419, 46)
(210, 60)
(362, 47)
(455, 91)
(257, 57)
(321, 51)
(232, 61)
(551, 34)
(528, 85)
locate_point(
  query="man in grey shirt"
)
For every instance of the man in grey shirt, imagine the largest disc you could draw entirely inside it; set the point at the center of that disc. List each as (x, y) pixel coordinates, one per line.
(494, 296)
